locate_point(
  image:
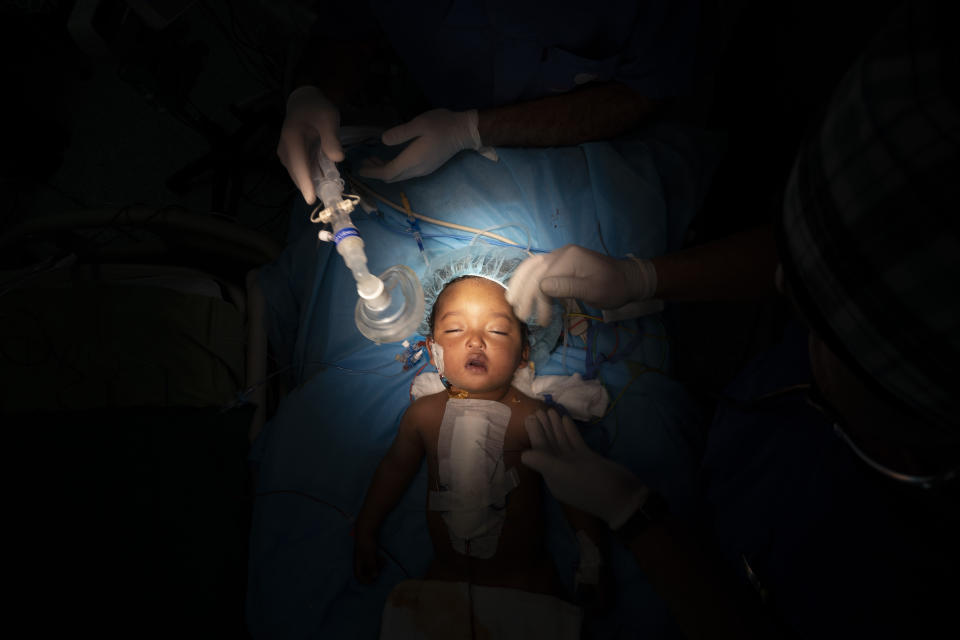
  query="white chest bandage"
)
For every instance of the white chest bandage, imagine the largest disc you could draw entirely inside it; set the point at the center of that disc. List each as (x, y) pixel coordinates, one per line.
(473, 482)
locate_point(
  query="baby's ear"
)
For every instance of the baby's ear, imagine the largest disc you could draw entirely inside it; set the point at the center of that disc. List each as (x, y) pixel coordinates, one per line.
(524, 356)
(430, 351)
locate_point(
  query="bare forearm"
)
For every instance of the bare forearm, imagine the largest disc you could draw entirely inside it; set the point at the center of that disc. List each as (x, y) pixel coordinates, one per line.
(593, 113)
(704, 602)
(738, 267)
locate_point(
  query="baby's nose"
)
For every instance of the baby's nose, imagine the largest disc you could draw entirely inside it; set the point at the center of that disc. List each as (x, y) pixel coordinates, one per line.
(475, 339)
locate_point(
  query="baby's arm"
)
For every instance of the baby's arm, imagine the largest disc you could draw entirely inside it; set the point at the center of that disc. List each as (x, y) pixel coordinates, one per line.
(389, 483)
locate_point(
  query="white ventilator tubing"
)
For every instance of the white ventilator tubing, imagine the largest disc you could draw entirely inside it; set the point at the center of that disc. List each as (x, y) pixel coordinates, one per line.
(390, 307)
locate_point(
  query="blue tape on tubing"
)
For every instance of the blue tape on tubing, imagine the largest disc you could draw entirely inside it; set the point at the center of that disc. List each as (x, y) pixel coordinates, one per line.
(345, 233)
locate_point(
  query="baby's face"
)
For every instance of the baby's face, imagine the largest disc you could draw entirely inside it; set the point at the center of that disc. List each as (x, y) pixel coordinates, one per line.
(480, 335)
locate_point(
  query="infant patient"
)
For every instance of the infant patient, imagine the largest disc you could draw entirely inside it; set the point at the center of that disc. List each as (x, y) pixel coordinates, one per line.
(484, 508)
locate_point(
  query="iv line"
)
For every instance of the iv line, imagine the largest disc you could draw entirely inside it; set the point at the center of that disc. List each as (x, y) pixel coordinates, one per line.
(442, 223)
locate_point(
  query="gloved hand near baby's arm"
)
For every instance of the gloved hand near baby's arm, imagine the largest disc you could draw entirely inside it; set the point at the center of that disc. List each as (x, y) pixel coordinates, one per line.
(578, 476)
(576, 272)
(439, 135)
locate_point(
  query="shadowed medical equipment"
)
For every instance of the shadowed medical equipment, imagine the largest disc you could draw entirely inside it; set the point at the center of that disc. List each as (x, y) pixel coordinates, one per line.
(133, 355)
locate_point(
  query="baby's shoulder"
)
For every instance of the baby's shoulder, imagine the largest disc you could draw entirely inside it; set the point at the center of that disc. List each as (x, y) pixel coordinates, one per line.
(426, 411)
(526, 405)
(516, 431)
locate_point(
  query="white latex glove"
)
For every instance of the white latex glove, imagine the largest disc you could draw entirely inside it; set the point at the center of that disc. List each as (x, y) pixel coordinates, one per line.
(440, 134)
(575, 272)
(578, 476)
(310, 117)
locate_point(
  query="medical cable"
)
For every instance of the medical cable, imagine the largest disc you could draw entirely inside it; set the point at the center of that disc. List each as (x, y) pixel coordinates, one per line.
(293, 492)
(414, 379)
(411, 354)
(420, 216)
(583, 317)
(415, 227)
(924, 481)
(229, 366)
(814, 399)
(600, 236)
(616, 342)
(348, 517)
(595, 359)
(242, 397)
(406, 232)
(375, 372)
(522, 227)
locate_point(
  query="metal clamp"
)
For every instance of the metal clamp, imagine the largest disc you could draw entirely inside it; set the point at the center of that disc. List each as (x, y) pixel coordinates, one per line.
(347, 205)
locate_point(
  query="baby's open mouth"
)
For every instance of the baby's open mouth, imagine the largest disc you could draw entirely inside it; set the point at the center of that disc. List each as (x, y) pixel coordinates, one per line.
(476, 364)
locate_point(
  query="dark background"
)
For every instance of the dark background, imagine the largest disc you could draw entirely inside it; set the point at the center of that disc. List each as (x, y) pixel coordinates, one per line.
(110, 107)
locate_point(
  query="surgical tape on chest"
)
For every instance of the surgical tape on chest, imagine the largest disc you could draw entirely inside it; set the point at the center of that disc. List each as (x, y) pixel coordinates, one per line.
(471, 474)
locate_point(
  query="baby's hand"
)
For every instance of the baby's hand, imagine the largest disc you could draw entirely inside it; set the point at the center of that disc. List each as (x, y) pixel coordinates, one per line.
(366, 563)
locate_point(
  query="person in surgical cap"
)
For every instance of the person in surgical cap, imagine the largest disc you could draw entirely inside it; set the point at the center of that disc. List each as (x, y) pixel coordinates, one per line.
(520, 74)
(830, 476)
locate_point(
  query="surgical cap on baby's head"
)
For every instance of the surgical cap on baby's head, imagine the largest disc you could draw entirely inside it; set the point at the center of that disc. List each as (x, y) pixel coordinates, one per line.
(493, 263)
